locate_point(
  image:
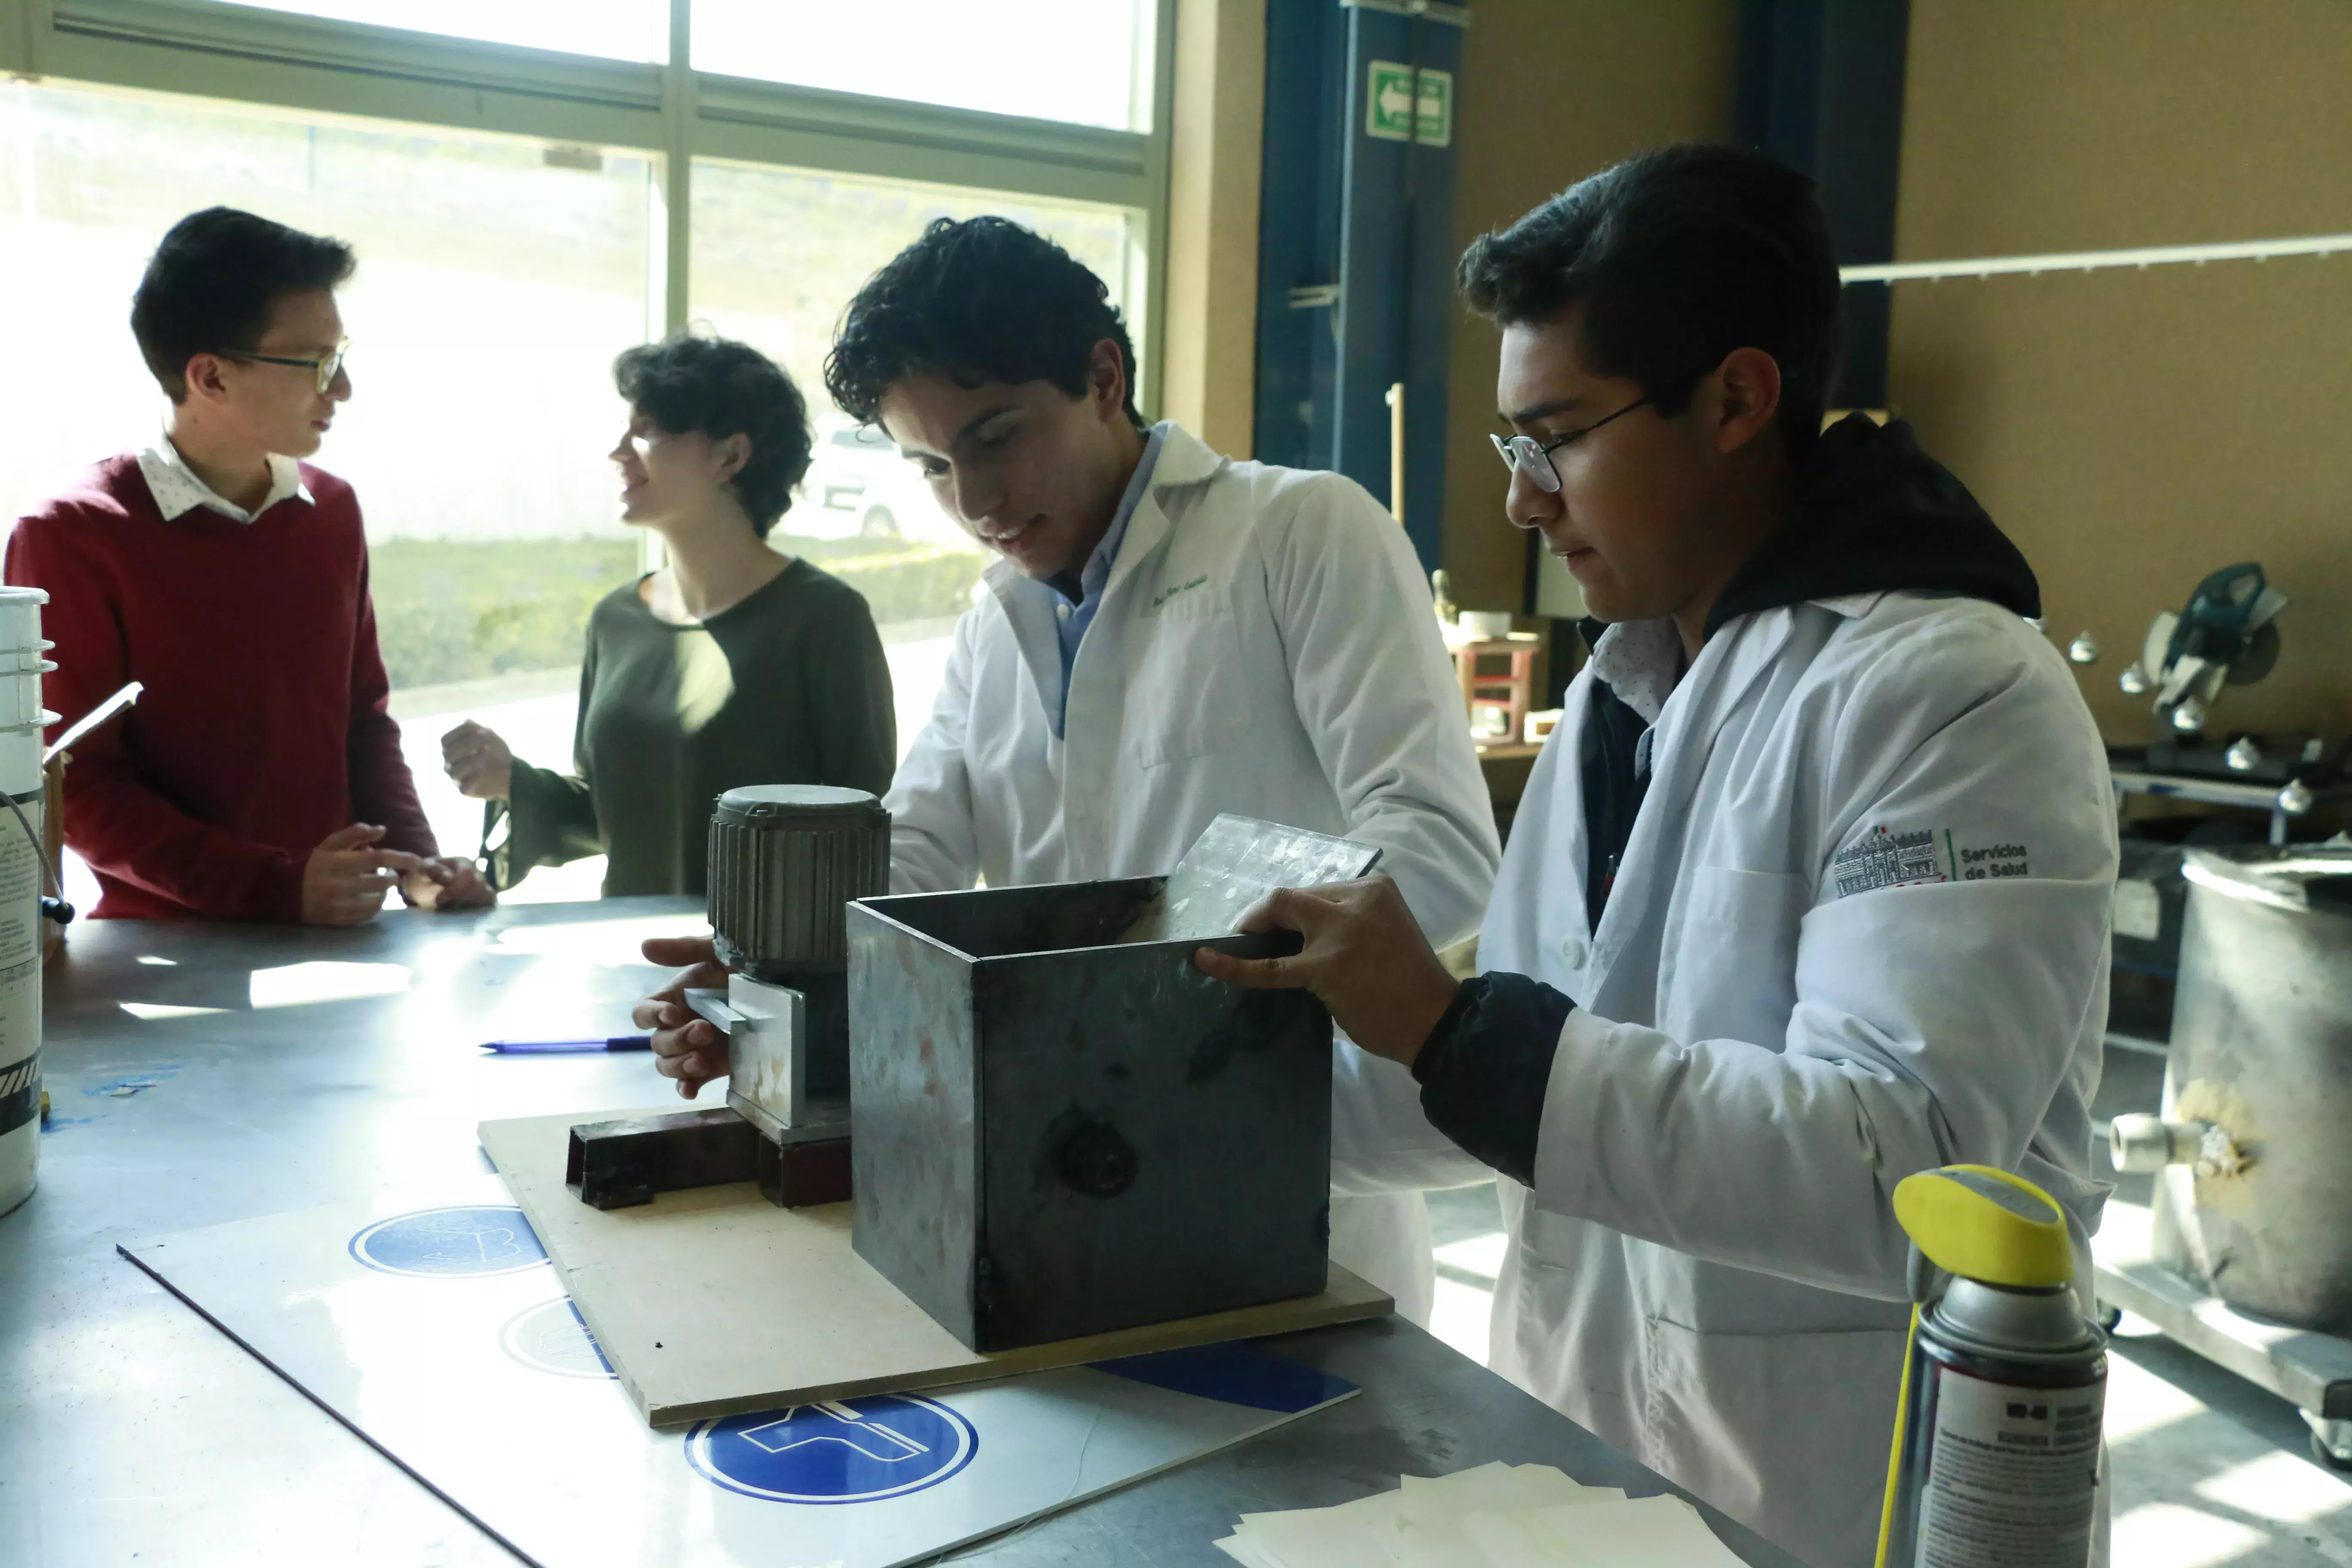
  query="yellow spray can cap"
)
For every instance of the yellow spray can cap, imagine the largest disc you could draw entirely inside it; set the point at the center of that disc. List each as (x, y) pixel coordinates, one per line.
(1987, 1224)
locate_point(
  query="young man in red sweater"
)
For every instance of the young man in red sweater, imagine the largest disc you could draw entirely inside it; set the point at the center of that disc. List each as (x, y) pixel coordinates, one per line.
(260, 777)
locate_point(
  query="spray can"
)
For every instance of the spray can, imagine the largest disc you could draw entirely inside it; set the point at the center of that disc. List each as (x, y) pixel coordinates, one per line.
(1997, 1424)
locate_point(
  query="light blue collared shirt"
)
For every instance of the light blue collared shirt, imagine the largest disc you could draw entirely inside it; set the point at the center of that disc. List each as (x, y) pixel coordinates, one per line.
(1072, 617)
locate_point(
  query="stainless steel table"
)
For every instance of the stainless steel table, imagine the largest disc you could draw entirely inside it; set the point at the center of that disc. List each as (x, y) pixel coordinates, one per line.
(288, 1067)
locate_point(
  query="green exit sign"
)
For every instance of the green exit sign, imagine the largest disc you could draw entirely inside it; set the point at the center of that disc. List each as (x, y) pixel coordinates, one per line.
(1403, 103)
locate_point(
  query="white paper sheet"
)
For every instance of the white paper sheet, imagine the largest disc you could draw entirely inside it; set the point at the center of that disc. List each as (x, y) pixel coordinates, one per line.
(1495, 1516)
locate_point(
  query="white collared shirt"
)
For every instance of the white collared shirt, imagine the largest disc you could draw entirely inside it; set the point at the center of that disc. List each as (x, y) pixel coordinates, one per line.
(178, 490)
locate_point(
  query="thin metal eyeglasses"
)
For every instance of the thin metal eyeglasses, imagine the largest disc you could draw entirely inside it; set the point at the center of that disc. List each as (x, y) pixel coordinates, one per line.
(1533, 458)
(327, 366)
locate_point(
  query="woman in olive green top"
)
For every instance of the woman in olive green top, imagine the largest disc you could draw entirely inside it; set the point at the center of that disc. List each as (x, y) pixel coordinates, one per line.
(733, 665)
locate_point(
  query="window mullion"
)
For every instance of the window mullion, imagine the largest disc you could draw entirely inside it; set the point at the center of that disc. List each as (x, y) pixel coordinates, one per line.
(680, 94)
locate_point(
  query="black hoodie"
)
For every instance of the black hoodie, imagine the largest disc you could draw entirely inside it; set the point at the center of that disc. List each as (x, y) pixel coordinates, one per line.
(1869, 512)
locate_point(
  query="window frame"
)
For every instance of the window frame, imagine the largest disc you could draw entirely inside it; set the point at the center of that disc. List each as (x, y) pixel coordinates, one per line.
(671, 113)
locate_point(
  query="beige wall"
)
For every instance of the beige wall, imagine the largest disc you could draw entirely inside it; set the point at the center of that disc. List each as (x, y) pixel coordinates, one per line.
(1552, 91)
(2134, 430)
(1211, 344)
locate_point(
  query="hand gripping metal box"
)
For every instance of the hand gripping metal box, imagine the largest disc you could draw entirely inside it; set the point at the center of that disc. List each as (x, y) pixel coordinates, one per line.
(1056, 1132)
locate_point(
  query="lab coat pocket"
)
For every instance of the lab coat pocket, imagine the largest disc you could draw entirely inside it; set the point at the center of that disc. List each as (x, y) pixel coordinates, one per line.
(1787, 1433)
(1186, 691)
(1729, 967)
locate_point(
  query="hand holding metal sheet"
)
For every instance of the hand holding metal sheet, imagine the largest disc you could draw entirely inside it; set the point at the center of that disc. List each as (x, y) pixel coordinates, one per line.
(1365, 959)
(1236, 861)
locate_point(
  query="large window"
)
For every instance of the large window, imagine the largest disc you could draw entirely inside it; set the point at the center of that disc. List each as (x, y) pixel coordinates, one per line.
(511, 242)
(615, 30)
(494, 287)
(777, 255)
(1084, 61)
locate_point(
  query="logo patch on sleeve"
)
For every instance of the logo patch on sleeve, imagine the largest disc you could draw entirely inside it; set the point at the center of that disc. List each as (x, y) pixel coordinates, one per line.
(1883, 859)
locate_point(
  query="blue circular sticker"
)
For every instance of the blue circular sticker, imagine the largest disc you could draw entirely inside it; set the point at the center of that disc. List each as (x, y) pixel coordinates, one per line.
(473, 1239)
(837, 1450)
(551, 1337)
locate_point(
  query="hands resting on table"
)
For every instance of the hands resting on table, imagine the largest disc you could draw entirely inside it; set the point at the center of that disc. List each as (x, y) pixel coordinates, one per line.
(1365, 958)
(346, 876)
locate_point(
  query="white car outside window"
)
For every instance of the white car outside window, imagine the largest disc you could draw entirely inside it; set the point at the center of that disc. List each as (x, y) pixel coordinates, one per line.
(858, 486)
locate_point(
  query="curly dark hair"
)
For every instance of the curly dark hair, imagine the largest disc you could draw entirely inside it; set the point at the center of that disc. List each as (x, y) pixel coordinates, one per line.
(691, 383)
(1679, 256)
(211, 284)
(975, 300)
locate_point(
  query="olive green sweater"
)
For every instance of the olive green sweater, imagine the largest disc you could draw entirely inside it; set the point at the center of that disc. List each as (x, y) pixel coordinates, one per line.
(787, 687)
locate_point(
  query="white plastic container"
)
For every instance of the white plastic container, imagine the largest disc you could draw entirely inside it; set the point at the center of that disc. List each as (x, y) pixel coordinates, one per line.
(20, 618)
(22, 721)
(20, 685)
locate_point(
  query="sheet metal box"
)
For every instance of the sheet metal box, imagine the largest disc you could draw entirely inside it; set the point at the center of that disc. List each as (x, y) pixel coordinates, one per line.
(1056, 1133)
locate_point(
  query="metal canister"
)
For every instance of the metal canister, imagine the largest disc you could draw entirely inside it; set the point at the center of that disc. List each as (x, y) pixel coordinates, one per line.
(2253, 1207)
(1996, 1461)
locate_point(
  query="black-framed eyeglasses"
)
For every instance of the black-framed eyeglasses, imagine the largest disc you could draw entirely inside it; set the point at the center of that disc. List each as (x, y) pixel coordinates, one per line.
(326, 366)
(1533, 458)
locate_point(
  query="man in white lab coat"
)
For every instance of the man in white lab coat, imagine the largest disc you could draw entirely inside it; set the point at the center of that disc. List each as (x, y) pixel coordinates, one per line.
(1808, 891)
(1170, 633)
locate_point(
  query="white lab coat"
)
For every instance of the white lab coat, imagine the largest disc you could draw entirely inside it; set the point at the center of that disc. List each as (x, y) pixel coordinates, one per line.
(1707, 1272)
(1264, 646)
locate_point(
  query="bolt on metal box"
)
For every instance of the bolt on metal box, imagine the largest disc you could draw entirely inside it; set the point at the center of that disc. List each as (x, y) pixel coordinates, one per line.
(1058, 1129)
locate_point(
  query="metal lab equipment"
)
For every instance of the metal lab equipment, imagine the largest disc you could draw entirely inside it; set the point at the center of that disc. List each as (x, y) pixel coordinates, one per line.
(2227, 635)
(2255, 1179)
(1062, 1127)
(784, 860)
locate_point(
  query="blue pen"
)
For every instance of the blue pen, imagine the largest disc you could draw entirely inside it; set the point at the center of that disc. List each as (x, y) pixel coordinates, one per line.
(564, 1048)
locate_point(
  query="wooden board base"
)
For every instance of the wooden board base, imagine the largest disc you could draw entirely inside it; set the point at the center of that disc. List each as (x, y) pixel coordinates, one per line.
(712, 1301)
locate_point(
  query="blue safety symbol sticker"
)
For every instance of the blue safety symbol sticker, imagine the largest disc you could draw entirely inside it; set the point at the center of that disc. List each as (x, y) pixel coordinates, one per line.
(552, 1337)
(837, 1450)
(469, 1240)
(1235, 1373)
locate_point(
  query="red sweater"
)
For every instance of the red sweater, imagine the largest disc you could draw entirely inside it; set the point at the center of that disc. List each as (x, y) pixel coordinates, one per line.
(264, 725)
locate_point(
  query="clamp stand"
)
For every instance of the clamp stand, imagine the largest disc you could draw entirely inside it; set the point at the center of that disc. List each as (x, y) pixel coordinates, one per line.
(776, 1130)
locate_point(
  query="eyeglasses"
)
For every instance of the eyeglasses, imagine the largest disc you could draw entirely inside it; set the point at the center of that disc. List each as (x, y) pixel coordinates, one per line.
(327, 366)
(1533, 458)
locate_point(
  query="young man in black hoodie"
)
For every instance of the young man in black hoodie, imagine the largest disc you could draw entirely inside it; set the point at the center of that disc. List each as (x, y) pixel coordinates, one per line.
(1808, 893)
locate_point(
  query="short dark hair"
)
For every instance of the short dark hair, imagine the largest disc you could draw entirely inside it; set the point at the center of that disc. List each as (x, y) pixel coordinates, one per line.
(1679, 256)
(978, 299)
(210, 285)
(691, 382)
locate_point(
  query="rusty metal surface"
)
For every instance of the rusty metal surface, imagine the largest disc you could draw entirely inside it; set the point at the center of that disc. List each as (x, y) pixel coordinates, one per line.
(914, 1117)
(804, 1173)
(1058, 1133)
(1157, 1144)
(621, 1164)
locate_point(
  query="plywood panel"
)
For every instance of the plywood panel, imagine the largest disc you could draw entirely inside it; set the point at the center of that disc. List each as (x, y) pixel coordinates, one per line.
(713, 1301)
(2029, 126)
(2134, 430)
